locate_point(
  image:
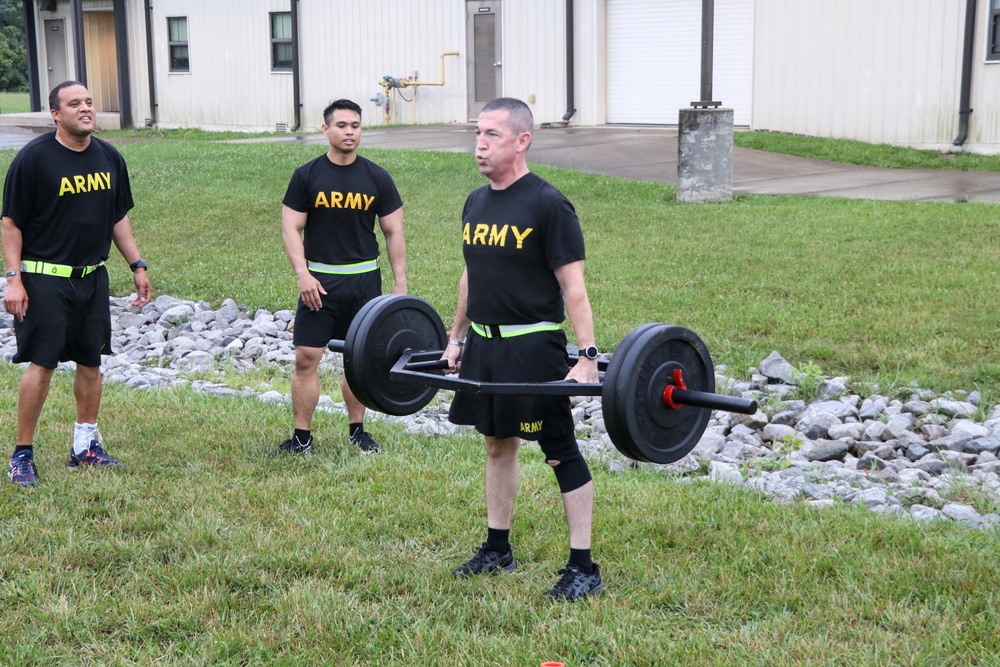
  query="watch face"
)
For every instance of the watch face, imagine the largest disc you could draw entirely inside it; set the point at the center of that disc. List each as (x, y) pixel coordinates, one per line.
(590, 352)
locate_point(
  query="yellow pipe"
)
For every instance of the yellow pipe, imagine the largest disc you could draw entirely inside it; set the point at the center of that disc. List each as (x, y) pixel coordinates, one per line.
(405, 83)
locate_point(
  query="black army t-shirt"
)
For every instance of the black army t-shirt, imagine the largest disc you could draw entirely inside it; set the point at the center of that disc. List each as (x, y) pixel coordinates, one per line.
(341, 203)
(65, 202)
(513, 240)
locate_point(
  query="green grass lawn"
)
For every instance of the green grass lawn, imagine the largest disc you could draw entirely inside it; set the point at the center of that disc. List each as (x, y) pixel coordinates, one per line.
(203, 551)
(14, 103)
(869, 155)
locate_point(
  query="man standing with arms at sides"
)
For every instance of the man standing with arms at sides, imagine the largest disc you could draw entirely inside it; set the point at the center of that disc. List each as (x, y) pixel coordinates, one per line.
(524, 256)
(65, 199)
(328, 226)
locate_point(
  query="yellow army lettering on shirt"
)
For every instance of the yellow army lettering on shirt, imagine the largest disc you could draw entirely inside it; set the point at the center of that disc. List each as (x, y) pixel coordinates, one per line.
(356, 200)
(81, 183)
(484, 234)
(532, 427)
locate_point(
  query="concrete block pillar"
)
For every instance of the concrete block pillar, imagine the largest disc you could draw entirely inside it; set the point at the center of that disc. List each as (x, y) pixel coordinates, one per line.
(705, 155)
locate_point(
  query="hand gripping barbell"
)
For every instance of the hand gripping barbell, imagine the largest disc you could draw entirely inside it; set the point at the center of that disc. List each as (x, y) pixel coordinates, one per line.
(657, 394)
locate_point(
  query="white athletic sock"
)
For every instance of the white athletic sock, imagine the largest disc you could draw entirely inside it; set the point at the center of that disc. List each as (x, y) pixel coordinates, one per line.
(82, 435)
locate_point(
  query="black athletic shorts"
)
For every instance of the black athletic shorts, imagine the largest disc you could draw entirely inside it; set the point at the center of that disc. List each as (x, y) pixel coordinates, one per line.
(534, 357)
(345, 295)
(68, 319)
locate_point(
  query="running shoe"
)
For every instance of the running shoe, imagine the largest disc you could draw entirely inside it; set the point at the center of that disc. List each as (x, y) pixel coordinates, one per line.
(486, 561)
(576, 584)
(22, 469)
(364, 441)
(292, 446)
(94, 456)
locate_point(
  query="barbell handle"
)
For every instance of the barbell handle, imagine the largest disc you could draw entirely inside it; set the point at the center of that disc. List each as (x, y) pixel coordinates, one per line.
(703, 399)
(339, 346)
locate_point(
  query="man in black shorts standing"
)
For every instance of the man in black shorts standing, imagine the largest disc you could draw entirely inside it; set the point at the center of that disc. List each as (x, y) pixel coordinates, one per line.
(328, 226)
(65, 199)
(524, 256)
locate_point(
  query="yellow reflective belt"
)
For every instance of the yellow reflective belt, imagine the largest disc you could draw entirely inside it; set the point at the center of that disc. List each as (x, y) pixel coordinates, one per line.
(344, 269)
(60, 270)
(511, 330)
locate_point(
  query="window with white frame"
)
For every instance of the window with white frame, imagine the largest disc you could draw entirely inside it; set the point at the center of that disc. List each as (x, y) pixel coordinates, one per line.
(281, 41)
(177, 43)
(993, 43)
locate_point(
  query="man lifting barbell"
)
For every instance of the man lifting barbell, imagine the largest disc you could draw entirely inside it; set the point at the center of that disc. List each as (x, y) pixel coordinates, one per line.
(515, 380)
(507, 328)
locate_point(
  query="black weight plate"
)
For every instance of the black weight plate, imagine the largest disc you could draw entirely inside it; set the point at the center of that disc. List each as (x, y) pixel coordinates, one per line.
(611, 375)
(382, 330)
(637, 420)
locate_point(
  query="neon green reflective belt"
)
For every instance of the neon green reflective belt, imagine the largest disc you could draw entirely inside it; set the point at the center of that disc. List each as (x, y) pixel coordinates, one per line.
(344, 269)
(61, 270)
(511, 330)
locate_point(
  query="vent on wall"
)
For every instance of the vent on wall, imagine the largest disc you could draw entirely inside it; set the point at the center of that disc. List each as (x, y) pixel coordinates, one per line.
(281, 127)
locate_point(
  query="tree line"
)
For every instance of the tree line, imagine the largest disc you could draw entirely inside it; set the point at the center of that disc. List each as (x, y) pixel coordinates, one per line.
(13, 47)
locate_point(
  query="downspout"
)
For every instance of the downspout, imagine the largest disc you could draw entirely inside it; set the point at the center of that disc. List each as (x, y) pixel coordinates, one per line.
(29, 30)
(296, 99)
(965, 96)
(570, 109)
(79, 49)
(149, 63)
(124, 75)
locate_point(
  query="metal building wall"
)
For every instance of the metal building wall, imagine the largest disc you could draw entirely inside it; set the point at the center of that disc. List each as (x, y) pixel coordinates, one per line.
(346, 47)
(534, 60)
(230, 84)
(882, 72)
(349, 45)
(984, 122)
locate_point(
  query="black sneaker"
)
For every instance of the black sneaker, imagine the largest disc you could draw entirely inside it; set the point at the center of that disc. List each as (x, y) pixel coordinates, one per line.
(293, 446)
(363, 440)
(486, 561)
(576, 584)
(22, 470)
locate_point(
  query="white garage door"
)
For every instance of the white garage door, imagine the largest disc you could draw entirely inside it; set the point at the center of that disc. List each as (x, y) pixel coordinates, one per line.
(654, 59)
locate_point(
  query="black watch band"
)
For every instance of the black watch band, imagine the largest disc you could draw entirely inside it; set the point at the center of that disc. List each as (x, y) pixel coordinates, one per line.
(138, 264)
(590, 352)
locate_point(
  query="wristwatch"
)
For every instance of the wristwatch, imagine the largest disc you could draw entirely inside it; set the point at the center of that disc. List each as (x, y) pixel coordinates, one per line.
(11, 274)
(590, 352)
(137, 264)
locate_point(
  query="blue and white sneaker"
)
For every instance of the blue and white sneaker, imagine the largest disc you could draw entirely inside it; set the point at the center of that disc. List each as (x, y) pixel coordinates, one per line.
(94, 456)
(22, 469)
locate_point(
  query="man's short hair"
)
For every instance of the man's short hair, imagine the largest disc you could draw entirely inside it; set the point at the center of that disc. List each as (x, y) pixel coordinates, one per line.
(337, 105)
(519, 116)
(54, 95)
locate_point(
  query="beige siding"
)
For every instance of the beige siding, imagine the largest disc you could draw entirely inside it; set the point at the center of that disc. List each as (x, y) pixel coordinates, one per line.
(346, 47)
(984, 123)
(534, 56)
(349, 45)
(230, 84)
(883, 72)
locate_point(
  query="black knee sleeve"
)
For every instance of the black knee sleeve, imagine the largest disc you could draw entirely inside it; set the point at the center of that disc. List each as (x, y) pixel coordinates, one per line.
(570, 467)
